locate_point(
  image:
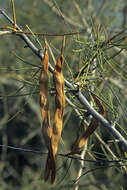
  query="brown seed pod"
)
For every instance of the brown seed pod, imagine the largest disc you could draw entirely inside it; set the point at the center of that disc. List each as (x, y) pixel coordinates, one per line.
(45, 113)
(58, 80)
(60, 104)
(90, 129)
(44, 103)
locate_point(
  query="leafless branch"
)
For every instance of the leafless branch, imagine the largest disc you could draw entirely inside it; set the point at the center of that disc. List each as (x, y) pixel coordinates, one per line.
(101, 162)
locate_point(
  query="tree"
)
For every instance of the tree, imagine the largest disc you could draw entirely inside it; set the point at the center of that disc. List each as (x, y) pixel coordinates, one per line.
(95, 63)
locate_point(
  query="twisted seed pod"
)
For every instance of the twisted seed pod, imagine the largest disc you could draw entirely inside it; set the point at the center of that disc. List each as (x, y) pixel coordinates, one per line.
(58, 80)
(45, 113)
(90, 129)
(44, 104)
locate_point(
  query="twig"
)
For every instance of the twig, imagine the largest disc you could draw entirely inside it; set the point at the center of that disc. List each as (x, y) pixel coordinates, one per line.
(102, 167)
(22, 149)
(13, 11)
(5, 32)
(101, 162)
(76, 184)
(109, 150)
(66, 18)
(41, 34)
(78, 95)
(83, 20)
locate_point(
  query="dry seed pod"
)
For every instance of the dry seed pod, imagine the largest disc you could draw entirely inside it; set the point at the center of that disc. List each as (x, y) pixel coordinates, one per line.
(58, 80)
(44, 104)
(45, 113)
(89, 131)
(50, 168)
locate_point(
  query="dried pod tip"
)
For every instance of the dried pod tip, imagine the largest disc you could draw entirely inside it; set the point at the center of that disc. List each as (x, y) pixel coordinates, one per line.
(45, 44)
(59, 63)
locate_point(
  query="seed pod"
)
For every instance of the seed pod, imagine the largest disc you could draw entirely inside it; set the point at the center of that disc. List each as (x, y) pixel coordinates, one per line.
(60, 104)
(44, 103)
(90, 129)
(45, 113)
(58, 80)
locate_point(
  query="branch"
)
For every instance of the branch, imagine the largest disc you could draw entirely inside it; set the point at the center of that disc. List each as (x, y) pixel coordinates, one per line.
(58, 12)
(101, 162)
(76, 184)
(78, 95)
(5, 32)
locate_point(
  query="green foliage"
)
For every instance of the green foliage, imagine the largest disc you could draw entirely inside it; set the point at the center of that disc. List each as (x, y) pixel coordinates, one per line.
(20, 121)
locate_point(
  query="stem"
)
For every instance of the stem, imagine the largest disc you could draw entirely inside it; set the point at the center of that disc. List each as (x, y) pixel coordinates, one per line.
(14, 16)
(81, 167)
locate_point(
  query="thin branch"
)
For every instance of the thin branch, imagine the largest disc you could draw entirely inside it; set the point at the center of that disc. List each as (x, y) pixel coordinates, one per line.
(22, 149)
(42, 34)
(57, 12)
(78, 95)
(5, 32)
(13, 11)
(82, 18)
(76, 184)
(102, 167)
(109, 150)
(101, 162)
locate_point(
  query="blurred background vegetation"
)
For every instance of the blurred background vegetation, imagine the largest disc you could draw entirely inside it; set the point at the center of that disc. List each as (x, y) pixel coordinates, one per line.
(20, 121)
